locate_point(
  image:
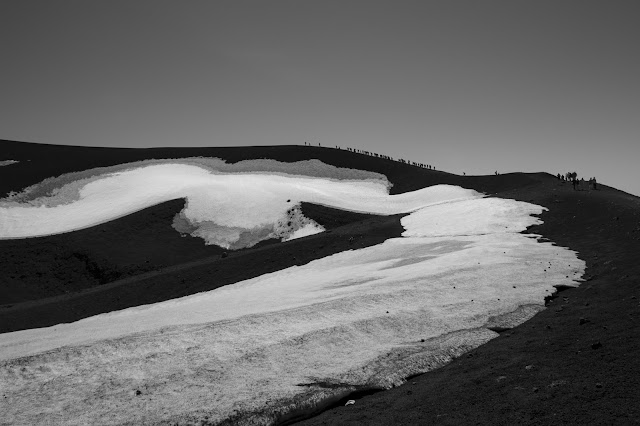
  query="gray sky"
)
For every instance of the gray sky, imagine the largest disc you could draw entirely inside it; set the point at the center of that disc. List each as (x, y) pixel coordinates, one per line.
(473, 86)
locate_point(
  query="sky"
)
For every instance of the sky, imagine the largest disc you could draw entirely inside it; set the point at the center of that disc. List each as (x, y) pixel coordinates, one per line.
(465, 86)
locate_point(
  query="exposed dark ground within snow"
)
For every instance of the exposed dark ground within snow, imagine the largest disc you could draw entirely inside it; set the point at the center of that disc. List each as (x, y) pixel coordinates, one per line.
(574, 363)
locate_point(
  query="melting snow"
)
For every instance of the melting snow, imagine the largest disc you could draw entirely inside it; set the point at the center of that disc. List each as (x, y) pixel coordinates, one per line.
(232, 210)
(367, 317)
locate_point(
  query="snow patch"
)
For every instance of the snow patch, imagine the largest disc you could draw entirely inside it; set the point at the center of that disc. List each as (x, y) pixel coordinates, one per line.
(233, 210)
(251, 351)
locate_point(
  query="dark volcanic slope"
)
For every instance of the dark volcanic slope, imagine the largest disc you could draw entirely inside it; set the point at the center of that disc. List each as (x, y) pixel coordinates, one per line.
(39, 161)
(37, 268)
(574, 363)
(140, 259)
(131, 245)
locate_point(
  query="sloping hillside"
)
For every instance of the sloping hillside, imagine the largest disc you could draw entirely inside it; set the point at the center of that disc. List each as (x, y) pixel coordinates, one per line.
(572, 363)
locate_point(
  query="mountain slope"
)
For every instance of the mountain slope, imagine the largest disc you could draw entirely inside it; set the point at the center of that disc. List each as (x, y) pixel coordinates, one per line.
(572, 363)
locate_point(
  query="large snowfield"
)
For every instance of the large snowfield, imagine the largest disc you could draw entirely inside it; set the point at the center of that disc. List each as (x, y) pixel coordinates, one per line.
(259, 349)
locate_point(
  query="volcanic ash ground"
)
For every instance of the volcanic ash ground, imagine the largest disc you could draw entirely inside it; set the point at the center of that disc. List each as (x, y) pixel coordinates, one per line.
(261, 349)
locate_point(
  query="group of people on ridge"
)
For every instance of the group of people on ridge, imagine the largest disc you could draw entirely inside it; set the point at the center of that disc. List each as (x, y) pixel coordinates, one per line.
(386, 157)
(577, 183)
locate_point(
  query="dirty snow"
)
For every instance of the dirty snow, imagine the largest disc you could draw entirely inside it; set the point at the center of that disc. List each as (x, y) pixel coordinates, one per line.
(232, 210)
(260, 348)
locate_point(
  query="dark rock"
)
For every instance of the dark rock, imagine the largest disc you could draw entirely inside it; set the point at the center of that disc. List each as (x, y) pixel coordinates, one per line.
(596, 345)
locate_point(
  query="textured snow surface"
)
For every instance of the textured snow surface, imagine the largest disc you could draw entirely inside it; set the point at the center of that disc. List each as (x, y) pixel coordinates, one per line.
(259, 349)
(232, 209)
